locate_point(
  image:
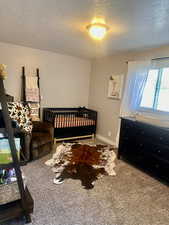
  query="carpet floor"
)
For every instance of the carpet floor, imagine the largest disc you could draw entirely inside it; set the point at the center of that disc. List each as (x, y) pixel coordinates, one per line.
(130, 198)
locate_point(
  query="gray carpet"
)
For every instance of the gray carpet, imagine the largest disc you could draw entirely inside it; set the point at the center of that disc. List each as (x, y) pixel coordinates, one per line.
(130, 198)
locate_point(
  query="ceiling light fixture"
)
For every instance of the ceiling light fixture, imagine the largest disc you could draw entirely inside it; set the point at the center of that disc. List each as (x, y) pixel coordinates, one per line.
(97, 29)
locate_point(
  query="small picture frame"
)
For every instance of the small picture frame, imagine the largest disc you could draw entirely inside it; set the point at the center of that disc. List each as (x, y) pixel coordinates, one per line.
(115, 86)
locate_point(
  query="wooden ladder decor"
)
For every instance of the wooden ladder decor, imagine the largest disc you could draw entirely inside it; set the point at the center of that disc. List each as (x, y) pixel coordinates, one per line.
(23, 91)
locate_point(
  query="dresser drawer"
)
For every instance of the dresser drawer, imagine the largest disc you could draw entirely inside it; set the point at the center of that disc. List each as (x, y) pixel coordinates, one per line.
(132, 148)
(155, 134)
(158, 151)
(142, 130)
(158, 167)
(129, 129)
(137, 129)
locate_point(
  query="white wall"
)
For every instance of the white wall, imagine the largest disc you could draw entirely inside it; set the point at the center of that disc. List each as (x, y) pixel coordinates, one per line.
(64, 79)
(102, 69)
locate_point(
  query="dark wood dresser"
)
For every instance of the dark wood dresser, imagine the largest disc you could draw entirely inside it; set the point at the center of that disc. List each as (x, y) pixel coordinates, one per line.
(146, 146)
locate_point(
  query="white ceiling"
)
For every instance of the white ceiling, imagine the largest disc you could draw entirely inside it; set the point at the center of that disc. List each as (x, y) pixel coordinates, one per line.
(59, 25)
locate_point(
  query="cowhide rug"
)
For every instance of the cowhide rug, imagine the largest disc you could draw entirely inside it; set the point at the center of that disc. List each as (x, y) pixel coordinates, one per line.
(82, 161)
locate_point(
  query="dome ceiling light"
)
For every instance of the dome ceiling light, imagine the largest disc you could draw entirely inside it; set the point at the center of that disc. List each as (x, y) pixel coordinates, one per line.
(97, 29)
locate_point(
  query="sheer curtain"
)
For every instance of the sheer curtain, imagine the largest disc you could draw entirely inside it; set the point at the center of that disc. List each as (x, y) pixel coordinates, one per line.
(133, 90)
(134, 86)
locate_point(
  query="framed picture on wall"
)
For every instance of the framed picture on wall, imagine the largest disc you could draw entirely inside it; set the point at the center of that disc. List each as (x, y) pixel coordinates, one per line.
(115, 86)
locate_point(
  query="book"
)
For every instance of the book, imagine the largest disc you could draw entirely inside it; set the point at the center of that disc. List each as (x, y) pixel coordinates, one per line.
(5, 151)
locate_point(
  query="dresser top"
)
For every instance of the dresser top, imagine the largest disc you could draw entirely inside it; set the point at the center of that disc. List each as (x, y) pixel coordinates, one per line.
(133, 119)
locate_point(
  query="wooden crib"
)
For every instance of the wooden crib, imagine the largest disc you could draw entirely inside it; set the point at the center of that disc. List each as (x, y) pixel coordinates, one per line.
(71, 123)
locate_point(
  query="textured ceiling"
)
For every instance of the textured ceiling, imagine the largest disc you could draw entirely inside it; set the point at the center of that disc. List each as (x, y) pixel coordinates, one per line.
(59, 25)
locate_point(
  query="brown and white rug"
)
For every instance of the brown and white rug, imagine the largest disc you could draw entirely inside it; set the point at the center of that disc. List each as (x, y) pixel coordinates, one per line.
(82, 161)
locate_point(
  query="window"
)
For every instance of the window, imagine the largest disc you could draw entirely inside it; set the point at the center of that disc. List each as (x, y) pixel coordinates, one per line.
(156, 91)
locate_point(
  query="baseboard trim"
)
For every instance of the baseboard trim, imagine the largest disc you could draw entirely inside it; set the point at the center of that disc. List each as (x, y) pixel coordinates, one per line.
(105, 140)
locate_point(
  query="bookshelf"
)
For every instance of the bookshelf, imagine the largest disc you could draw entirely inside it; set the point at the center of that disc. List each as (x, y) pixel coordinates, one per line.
(23, 206)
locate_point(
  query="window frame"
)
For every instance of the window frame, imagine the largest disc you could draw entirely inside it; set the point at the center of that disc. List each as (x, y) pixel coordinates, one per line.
(154, 110)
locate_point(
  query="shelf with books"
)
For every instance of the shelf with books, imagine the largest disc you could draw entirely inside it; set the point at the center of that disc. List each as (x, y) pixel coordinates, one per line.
(24, 205)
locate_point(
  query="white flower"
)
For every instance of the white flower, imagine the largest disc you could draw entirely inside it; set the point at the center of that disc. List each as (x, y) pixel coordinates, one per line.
(3, 73)
(2, 67)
